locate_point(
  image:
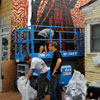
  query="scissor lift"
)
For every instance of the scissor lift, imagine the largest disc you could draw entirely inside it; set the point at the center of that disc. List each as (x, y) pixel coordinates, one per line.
(25, 42)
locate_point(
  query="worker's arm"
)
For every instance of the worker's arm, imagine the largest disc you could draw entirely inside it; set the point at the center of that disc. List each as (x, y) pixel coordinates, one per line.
(29, 74)
(32, 67)
(57, 66)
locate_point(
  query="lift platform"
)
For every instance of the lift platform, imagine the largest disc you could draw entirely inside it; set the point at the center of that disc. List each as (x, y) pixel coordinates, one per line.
(26, 42)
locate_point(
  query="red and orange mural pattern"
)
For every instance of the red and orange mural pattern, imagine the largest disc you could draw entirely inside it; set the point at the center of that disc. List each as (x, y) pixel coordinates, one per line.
(45, 15)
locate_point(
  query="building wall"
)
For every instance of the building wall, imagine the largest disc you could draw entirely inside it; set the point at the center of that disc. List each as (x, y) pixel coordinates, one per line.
(5, 15)
(47, 12)
(19, 19)
(8, 67)
(92, 73)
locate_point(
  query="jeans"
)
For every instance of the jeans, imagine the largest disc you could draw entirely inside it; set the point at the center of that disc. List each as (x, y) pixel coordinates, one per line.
(41, 85)
(55, 90)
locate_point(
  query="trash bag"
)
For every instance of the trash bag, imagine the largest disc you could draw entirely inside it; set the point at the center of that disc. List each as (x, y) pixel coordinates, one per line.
(96, 60)
(27, 92)
(76, 88)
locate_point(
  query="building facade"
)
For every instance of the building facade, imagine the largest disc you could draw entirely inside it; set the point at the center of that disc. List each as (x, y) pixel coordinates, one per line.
(15, 14)
(5, 31)
(92, 39)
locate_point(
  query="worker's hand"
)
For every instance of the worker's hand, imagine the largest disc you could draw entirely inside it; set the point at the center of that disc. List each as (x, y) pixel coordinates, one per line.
(26, 77)
(53, 74)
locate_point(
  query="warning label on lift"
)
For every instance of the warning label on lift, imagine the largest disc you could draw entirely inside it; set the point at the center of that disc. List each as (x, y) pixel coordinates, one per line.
(70, 53)
(41, 55)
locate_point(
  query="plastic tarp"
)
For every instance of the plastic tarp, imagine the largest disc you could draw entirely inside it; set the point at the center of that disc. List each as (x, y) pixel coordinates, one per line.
(96, 60)
(76, 88)
(27, 92)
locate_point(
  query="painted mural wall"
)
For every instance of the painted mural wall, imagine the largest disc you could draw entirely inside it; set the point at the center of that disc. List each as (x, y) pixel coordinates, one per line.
(57, 12)
(46, 12)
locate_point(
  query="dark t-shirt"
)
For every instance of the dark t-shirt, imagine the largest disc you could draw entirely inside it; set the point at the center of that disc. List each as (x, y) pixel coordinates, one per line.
(56, 56)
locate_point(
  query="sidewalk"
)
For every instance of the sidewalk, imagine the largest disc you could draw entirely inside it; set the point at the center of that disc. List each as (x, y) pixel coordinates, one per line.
(17, 96)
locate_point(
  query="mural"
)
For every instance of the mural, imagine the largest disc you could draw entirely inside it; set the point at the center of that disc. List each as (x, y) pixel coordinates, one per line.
(18, 19)
(52, 12)
(47, 12)
(56, 12)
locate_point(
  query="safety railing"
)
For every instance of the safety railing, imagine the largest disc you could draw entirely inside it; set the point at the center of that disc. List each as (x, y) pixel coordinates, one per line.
(70, 41)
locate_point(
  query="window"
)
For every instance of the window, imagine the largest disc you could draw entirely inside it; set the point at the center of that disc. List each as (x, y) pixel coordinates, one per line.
(4, 48)
(4, 38)
(94, 38)
(5, 29)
